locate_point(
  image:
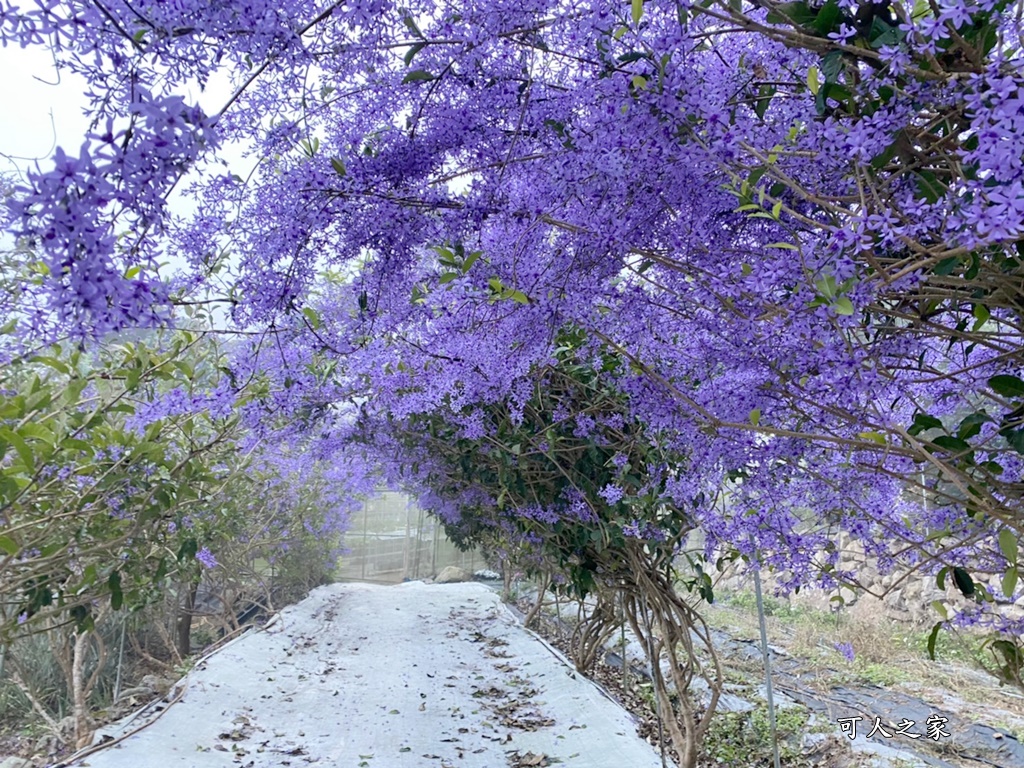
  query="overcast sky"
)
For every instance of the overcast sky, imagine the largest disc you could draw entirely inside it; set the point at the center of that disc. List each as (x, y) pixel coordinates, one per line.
(37, 114)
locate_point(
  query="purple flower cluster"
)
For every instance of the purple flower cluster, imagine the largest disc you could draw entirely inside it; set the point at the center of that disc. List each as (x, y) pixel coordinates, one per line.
(611, 494)
(205, 558)
(778, 274)
(845, 649)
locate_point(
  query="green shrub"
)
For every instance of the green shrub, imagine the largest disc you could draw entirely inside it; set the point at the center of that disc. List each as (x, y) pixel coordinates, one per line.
(744, 738)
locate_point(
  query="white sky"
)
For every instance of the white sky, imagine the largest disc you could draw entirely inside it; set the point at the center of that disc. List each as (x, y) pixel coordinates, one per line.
(40, 115)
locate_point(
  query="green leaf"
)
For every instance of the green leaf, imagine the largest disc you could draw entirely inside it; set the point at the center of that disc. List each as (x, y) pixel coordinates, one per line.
(755, 416)
(981, 316)
(764, 100)
(931, 640)
(519, 297)
(1006, 385)
(9, 545)
(875, 437)
(971, 425)
(832, 65)
(1010, 652)
(637, 11)
(187, 550)
(114, 581)
(445, 256)
(37, 431)
(843, 306)
(1010, 582)
(338, 165)
(826, 287)
(812, 80)
(796, 13)
(27, 457)
(880, 160)
(312, 316)
(53, 362)
(940, 609)
(76, 444)
(628, 58)
(471, 260)
(930, 189)
(940, 578)
(413, 50)
(963, 582)
(417, 76)
(784, 246)
(828, 18)
(1015, 437)
(883, 34)
(950, 443)
(1008, 545)
(922, 422)
(410, 22)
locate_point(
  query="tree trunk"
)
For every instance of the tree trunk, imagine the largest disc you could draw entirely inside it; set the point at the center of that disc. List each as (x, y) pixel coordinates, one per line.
(79, 695)
(506, 581)
(185, 613)
(82, 686)
(531, 617)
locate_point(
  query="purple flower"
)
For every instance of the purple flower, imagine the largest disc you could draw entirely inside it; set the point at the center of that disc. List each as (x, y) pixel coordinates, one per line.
(206, 558)
(846, 649)
(611, 493)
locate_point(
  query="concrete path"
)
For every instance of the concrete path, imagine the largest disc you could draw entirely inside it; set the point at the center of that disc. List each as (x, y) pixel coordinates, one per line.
(366, 676)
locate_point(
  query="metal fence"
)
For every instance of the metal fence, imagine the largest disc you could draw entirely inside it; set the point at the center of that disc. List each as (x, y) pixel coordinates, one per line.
(393, 539)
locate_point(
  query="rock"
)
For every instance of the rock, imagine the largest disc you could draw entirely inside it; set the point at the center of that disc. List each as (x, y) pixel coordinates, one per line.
(66, 728)
(848, 598)
(730, 702)
(452, 575)
(782, 701)
(486, 575)
(15, 762)
(155, 683)
(871, 754)
(143, 691)
(813, 742)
